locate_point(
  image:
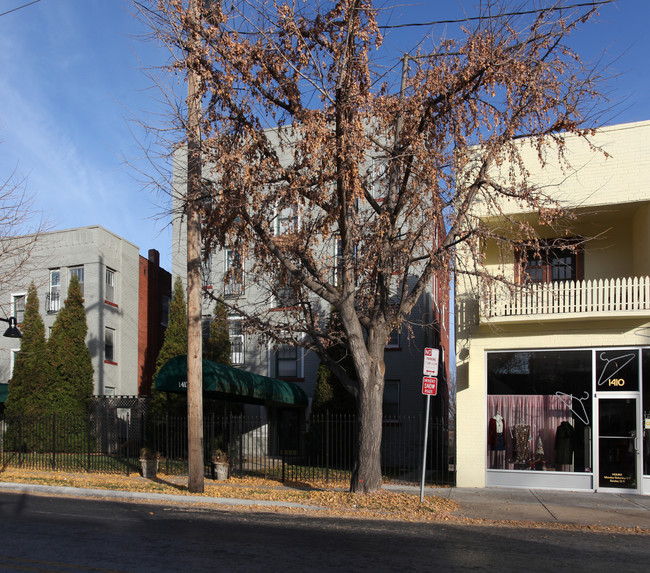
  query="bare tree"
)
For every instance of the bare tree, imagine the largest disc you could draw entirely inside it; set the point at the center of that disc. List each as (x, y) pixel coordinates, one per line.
(20, 227)
(350, 184)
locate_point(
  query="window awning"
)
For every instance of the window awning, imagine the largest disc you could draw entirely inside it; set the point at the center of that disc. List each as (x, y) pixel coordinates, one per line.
(225, 382)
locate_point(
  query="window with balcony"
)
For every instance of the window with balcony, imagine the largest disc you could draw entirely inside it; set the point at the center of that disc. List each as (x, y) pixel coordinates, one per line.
(556, 260)
(234, 277)
(79, 273)
(110, 286)
(53, 297)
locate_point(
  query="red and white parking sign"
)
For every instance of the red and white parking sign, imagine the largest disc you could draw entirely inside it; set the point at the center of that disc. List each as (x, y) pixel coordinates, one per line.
(431, 357)
(429, 386)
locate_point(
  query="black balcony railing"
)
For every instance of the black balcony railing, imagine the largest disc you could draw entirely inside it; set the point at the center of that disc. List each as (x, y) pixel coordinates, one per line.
(234, 288)
(52, 302)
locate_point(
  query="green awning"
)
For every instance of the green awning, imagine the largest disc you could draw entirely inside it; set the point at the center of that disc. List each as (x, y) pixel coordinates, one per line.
(225, 382)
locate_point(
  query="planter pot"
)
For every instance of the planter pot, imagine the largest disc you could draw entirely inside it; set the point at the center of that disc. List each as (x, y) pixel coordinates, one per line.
(220, 470)
(149, 468)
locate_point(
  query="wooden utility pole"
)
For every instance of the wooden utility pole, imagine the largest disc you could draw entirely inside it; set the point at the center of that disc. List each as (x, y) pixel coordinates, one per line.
(194, 336)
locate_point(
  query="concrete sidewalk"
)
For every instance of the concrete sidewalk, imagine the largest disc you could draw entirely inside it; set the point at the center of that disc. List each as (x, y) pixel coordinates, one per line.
(499, 504)
(550, 506)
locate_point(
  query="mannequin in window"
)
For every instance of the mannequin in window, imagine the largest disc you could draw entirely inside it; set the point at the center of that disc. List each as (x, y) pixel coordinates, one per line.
(496, 441)
(521, 449)
(565, 445)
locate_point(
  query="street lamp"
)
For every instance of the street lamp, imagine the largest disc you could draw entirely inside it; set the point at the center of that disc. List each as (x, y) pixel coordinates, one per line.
(12, 331)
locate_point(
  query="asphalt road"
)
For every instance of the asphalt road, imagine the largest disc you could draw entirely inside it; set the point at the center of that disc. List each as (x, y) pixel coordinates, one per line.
(54, 534)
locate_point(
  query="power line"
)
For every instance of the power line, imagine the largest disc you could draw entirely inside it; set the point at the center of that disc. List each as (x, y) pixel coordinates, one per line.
(522, 13)
(19, 8)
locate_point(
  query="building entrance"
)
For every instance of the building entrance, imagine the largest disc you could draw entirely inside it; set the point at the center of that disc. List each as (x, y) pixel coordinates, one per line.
(618, 443)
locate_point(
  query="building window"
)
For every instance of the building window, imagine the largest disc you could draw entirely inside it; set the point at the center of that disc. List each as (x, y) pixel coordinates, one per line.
(164, 313)
(206, 269)
(109, 345)
(206, 322)
(12, 362)
(236, 336)
(18, 306)
(556, 260)
(110, 285)
(284, 294)
(53, 298)
(337, 277)
(393, 340)
(79, 273)
(286, 220)
(540, 410)
(337, 271)
(109, 391)
(234, 276)
(288, 361)
(378, 178)
(391, 399)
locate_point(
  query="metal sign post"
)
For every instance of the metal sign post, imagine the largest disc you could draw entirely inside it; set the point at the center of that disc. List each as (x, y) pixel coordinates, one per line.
(429, 388)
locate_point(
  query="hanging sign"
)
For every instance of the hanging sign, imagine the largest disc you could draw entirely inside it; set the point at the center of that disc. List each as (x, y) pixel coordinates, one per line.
(431, 358)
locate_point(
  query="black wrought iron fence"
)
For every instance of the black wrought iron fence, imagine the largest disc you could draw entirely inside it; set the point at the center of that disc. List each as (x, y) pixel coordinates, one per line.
(322, 448)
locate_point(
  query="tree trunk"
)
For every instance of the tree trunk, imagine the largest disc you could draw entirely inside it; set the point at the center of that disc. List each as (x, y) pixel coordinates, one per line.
(366, 476)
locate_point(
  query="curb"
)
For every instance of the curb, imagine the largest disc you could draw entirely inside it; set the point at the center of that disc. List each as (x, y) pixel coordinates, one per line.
(118, 494)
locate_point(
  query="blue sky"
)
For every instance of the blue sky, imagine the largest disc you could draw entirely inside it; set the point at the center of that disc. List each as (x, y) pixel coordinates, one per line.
(71, 76)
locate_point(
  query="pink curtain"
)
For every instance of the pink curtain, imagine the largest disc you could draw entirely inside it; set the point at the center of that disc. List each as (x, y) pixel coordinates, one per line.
(543, 414)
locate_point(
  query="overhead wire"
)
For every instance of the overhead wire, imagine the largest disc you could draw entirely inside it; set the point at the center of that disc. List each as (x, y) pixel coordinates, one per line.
(19, 8)
(501, 15)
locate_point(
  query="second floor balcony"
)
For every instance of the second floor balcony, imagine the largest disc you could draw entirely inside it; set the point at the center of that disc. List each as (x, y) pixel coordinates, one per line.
(52, 302)
(234, 288)
(599, 297)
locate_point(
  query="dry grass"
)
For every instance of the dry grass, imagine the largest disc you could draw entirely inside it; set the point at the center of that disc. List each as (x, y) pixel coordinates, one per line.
(332, 497)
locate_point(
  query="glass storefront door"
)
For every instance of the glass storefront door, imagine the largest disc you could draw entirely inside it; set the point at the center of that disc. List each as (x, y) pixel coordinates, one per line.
(618, 443)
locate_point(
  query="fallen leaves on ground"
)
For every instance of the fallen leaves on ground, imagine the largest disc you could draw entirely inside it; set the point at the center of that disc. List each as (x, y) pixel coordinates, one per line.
(329, 496)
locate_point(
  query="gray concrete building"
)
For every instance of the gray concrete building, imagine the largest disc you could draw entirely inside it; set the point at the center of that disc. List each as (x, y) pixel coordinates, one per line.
(404, 351)
(107, 267)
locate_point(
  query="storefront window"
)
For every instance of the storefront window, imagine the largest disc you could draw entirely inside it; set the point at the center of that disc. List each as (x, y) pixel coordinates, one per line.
(540, 410)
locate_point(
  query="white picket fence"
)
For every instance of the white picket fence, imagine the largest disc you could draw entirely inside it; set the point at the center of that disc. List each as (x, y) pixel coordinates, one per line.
(593, 296)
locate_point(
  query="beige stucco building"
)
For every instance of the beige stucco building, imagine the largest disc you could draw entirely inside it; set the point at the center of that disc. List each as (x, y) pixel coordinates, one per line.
(553, 376)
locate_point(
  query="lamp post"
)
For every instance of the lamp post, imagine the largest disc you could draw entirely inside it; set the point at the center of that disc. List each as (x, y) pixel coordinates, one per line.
(12, 331)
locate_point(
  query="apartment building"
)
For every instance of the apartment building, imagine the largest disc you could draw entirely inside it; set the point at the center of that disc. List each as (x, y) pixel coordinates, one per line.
(553, 375)
(225, 276)
(125, 296)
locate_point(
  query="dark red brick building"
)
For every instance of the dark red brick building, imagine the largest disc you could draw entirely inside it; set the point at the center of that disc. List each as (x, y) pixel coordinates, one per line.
(154, 298)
